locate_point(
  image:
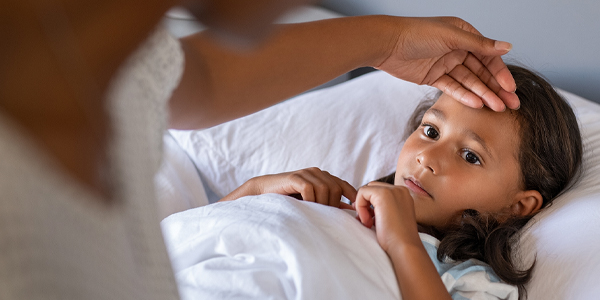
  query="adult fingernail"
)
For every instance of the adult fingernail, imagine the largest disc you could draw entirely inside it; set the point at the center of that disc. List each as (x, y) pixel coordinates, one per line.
(503, 46)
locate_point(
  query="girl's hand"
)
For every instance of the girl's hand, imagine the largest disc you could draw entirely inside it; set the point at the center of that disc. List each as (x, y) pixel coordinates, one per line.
(310, 184)
(393, 213)
(394, 216)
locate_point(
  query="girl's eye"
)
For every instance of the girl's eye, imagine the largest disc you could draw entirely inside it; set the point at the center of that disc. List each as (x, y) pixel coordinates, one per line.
(430, 132)
(470, 157)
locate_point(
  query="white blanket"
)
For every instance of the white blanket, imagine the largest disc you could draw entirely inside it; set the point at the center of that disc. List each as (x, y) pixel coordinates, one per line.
(276, 247)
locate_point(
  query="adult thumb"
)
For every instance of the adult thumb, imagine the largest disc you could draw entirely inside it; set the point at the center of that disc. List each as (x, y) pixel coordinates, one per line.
(479, 45)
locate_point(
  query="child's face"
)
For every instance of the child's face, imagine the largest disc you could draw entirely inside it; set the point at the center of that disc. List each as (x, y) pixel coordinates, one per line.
(460, 158)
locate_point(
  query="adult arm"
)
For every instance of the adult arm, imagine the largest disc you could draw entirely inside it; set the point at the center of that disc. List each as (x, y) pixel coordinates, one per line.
(220, 84)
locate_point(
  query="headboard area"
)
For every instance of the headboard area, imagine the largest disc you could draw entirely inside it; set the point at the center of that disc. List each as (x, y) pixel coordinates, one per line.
(559, 39)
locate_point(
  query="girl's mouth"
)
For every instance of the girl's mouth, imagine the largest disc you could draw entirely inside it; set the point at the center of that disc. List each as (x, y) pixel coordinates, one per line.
(415, 186)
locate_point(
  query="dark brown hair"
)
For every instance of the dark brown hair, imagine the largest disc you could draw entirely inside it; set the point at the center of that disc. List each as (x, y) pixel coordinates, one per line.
(550, 155)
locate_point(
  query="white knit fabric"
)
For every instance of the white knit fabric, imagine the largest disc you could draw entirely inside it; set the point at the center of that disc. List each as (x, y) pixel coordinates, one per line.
(56, 240)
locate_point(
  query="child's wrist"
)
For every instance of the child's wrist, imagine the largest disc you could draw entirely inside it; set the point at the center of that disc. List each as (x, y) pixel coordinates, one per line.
(404, 239)
(405, 249)
(251, 187)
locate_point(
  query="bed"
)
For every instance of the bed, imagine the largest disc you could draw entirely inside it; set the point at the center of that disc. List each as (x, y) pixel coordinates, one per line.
(353, 130)
(358, 126)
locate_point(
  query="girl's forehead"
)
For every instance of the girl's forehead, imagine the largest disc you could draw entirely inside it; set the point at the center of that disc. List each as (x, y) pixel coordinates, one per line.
(498, 130)
(467, 116)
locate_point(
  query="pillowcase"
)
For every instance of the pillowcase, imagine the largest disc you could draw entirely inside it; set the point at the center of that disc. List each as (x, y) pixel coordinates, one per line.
(564, 236)
(177, 184)
(354, 130)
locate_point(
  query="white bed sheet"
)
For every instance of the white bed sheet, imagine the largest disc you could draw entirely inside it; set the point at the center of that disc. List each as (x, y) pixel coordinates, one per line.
(281, 248)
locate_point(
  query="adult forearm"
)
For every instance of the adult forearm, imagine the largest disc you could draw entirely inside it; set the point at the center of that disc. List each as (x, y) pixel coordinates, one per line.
(220, 84)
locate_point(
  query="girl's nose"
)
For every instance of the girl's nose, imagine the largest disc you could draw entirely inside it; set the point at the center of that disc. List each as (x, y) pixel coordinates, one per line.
(428, 160)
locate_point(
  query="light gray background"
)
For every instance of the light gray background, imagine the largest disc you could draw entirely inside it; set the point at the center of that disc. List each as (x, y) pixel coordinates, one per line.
(560, 39)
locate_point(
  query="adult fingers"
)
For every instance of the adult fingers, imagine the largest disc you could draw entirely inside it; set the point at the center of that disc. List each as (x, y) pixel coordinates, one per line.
(509, 87)
(443, 65)
(488, 51)
(461, 39)
(469, 81)
(499, 71)
(477, 85)
(454, 89)
(482, 71)
(460, 23)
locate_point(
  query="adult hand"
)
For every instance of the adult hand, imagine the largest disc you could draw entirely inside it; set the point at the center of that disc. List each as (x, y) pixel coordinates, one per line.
(451, 55)
(310, 184)
(391, 209)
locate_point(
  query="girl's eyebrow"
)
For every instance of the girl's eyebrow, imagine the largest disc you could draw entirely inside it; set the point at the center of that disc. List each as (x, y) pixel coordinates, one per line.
(437, 113)
(471, 134)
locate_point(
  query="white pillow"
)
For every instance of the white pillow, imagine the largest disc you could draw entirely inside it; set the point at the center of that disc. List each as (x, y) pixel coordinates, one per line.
(354, 131)
(564, 236)
(177, 182)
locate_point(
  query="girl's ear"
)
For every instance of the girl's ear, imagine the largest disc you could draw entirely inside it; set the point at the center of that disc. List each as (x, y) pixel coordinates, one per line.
(527, 203)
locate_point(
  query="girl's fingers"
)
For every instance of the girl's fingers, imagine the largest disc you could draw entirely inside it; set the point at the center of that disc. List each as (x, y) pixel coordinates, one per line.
(346, 206)
(377, 183)
(363, 207)
(385, 199)
(318, 186)
(364, 217)
(335, 186)
(322, 186)
(348, 190)
(303, 187)
(335, 190)
(314, 186)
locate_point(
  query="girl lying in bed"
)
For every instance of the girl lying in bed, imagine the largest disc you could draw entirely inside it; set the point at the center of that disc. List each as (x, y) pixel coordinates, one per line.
(466, 181)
